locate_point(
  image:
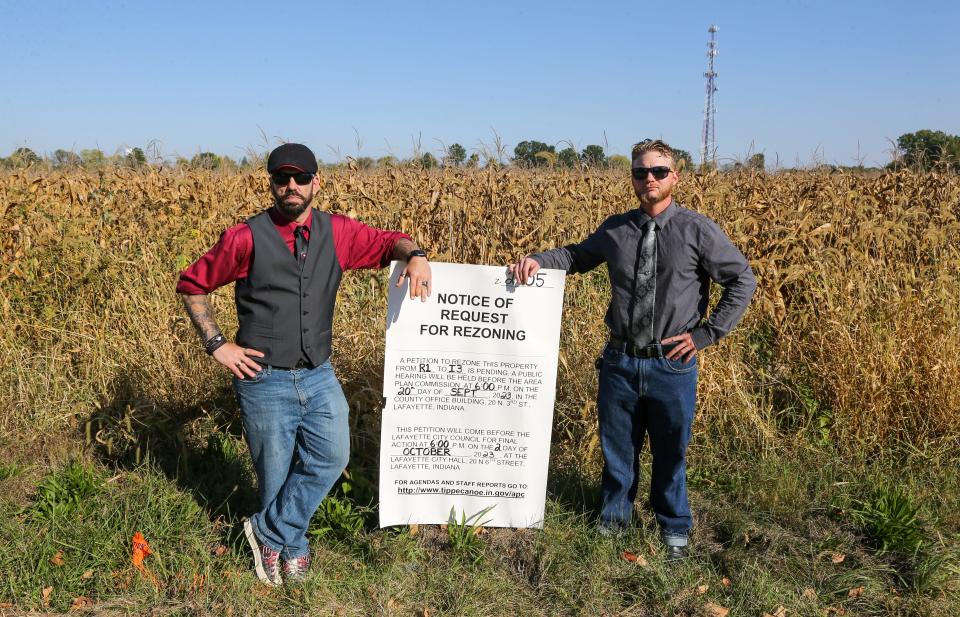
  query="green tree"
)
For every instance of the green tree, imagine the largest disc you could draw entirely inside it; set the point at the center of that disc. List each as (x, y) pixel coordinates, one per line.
(593, 156)
(205, 160)
(757, 162)
(926, 149)
(92, 158)
(135, 158)
(387, 161)
(474, 160)
(618, 161)
(549, 158)
(525, 153)
(23, 156)
(428, 161)
(456, 155)
(568, 157)
(682, 158)
(65, 158)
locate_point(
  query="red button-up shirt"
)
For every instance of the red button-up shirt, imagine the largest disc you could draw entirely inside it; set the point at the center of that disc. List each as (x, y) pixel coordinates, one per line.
(357, 246)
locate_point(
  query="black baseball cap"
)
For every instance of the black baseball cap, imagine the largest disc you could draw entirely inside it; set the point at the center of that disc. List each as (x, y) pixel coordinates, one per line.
(292, 156)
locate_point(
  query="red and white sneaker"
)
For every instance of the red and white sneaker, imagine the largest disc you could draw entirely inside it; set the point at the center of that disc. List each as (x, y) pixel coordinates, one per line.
(295, 570)
(266, 561)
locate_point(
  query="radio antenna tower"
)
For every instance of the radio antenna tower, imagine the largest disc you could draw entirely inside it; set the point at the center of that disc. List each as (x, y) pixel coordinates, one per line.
(708, 148)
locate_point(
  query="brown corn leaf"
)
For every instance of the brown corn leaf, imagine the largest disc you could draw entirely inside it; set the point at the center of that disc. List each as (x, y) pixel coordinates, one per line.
(634, 558)
(837, 557)
(87, 574)
(856, 592)
(715, 610)
(81, 602)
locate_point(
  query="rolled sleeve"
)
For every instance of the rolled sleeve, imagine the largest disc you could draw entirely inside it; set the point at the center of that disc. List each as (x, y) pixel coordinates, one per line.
(226, 262)
(361, 246)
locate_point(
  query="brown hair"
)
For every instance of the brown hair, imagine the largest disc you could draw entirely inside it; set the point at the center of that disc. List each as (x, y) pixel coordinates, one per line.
(655, 145)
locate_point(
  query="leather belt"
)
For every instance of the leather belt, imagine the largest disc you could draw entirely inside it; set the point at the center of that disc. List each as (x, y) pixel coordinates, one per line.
(300, 364)
(653, 350)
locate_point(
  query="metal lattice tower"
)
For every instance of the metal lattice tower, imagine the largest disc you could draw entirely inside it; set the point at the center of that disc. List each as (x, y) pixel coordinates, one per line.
(708, 147)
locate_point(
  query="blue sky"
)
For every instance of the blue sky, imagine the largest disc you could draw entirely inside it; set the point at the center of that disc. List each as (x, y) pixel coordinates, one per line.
(798, 81)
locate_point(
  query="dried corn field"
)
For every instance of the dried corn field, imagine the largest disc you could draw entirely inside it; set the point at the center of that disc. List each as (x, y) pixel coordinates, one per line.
(849, 340)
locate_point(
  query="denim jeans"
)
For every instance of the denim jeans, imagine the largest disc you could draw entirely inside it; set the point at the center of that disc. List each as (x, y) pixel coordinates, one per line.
(639, 396)
(296, 423)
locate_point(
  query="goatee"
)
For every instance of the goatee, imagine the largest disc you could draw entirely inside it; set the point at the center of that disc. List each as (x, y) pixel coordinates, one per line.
(292, 210)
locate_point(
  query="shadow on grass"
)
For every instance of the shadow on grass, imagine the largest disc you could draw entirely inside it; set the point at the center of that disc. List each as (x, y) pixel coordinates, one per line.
(573, 490)
(198, 445)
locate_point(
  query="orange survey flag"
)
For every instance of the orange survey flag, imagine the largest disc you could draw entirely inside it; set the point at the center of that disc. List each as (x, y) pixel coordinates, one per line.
(140, 550)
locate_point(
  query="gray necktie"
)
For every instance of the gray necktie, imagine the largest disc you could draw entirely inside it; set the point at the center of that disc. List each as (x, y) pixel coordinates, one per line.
(646, 289)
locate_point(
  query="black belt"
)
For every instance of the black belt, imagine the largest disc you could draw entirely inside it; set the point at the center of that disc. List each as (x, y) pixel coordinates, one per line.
(300, 364)
(654, 350)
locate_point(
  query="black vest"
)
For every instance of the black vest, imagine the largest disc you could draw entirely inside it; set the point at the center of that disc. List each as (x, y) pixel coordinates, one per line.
(286, 312)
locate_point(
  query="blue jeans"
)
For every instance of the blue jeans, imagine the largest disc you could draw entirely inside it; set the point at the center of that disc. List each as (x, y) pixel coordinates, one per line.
(641, 396)
(296, 423)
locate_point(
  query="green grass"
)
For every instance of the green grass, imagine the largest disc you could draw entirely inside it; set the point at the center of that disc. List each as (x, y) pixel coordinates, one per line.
(777, 530)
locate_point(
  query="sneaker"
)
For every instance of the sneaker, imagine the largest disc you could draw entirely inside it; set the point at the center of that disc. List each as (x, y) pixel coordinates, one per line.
(295, 570)
(266, 561)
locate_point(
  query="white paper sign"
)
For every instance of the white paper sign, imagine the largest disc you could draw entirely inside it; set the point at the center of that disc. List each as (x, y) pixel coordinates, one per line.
(469, 386)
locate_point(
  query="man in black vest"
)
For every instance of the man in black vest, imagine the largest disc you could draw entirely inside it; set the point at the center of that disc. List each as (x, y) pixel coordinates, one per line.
(287, 263)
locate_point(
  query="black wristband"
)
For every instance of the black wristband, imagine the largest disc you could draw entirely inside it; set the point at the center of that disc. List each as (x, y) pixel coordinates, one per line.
(417, 253)
(214, 343)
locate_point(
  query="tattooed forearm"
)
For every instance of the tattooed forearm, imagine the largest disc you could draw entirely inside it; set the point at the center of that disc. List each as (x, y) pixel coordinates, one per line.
(201, 314)
(402, 248)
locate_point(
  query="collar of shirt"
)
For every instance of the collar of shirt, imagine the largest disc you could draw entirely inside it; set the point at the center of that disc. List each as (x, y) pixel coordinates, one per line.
(662, 219)
(286, 227)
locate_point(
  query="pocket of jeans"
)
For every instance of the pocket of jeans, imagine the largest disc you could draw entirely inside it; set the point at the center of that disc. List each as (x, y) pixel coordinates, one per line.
(680, 367)
(257, 377)
(610, 357)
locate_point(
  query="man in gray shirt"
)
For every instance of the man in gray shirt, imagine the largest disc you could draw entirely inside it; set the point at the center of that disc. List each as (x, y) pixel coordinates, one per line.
(661, 258)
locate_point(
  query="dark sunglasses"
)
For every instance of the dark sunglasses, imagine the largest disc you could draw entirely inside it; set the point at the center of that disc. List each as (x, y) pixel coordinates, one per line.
(660, 172)
(283, 179)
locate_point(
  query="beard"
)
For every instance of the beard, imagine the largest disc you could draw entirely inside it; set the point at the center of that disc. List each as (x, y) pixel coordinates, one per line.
(292, 210)
(652, 198)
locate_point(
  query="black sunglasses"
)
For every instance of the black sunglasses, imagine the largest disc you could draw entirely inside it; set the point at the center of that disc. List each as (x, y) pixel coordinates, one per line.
(283, 179)
(660, 172)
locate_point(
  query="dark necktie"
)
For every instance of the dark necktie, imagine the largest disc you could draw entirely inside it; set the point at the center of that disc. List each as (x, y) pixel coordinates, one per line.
(646, 294)
(300, 244)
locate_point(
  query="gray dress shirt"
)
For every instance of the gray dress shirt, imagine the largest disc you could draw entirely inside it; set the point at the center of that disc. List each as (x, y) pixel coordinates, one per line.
(692, 250)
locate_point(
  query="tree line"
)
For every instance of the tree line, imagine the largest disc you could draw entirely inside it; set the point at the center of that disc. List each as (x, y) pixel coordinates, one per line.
(923, 150)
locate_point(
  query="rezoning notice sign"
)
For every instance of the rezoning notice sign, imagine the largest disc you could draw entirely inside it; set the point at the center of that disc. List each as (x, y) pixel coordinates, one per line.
(469, 386)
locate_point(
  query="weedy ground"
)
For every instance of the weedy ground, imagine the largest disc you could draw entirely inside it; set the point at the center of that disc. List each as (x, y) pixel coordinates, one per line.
(823, 469)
